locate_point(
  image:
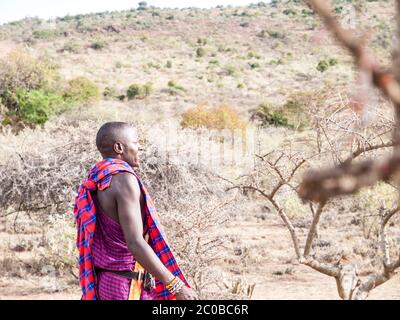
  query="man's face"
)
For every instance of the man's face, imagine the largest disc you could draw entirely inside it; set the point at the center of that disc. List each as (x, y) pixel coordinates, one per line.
(132, 147)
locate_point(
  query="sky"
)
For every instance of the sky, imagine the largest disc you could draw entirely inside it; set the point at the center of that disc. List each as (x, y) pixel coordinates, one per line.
(11, 10)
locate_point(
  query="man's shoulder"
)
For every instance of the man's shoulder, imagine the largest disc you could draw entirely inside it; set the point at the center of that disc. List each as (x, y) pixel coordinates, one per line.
(123, 181)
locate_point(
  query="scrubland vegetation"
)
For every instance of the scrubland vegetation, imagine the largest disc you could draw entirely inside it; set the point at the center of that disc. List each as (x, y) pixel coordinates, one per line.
(263, 87)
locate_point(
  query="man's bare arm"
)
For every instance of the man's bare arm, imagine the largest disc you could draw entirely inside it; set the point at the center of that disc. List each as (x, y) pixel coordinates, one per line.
(127, 194)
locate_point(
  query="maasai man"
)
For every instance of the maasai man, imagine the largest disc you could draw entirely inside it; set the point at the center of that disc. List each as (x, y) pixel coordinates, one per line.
(123, 253)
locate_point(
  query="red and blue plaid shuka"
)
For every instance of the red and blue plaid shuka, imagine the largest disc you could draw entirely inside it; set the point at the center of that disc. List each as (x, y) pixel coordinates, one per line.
(99, 178)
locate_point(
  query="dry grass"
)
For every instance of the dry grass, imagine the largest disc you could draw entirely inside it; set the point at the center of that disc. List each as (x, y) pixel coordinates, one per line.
(240, 66)
(39, 186)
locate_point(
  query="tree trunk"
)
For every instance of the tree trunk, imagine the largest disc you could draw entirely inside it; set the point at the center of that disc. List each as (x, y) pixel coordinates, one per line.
(348, 283)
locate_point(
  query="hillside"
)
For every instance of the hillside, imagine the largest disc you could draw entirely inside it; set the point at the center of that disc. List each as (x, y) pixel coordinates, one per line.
(241, 56)
(278, 55)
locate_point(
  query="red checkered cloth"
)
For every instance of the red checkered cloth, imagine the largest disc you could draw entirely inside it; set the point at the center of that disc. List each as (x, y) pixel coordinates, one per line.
(99, 178)
(112, 287)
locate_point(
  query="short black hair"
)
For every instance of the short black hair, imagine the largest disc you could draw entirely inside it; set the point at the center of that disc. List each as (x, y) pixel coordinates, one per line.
(108, 134)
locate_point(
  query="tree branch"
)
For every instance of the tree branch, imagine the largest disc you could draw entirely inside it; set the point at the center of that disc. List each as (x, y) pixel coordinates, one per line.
(327, 269)
(313, 228)
(346, 178)
(359, 151)
(385, 247)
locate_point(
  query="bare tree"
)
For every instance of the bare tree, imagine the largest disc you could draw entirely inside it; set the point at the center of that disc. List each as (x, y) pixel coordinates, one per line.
(339, 137)
(321, 186)
(277, 178)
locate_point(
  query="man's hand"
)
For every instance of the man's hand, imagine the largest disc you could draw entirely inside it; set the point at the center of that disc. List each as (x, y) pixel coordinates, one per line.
(186, 294)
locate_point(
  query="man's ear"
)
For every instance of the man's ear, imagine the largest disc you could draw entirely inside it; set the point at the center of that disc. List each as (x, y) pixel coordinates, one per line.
(118, 148)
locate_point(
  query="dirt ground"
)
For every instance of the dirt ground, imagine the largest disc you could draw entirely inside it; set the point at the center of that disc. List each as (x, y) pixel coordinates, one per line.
(267, 241)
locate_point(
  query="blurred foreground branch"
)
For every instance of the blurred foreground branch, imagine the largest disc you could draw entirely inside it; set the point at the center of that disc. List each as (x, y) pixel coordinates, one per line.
(348, 178)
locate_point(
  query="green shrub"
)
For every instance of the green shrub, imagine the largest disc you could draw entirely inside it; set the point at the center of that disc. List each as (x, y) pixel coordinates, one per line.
(173, 84)
(29, 89)
(71, 47)
(252, 54)
(174, 88)
(148, 89)
(307, 13)
(254, 65)
(325, 64)
(201, 52)
(276, 34)
(153, 65)
(297, 107)
(135, 91)
(279, 119)
(82, 90)
(231, 70)
(294, 113)
(201, 41)
(3, 111)
(339, 9)
(110, 93)
(18, 70)
(289, 12)
(262, 34)
(322, 66)
(37, 106)
(138, 91)
(99, 45)
(45, 34)
(266, 116)
(278, 61)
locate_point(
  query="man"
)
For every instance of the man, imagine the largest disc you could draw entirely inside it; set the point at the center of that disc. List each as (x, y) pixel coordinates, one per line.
(120, 241)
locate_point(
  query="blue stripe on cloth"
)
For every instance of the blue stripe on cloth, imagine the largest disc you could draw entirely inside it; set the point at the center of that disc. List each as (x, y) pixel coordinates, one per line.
(85, 273)
(90, 286)
(89, 221)
(170, 262)
(164, 250)
(158, 239)
(84, 258)
(163, 294)
(176, 272)
(88, 207)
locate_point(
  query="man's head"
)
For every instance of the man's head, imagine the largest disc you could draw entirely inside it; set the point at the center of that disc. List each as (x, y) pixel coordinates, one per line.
(118, 140)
